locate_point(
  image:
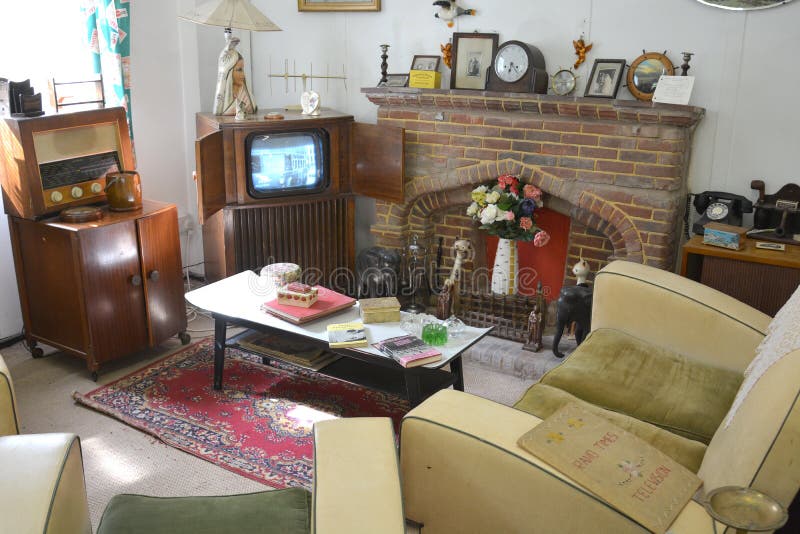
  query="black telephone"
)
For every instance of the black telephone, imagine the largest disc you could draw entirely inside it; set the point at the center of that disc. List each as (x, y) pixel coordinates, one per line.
(720, 207)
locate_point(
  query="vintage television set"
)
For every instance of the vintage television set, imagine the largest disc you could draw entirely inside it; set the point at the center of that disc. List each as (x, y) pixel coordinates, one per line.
(54, 162)
(284, 190)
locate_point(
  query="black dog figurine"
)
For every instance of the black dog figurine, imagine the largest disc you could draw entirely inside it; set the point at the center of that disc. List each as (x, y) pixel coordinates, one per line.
(378, 271)
(574, 305)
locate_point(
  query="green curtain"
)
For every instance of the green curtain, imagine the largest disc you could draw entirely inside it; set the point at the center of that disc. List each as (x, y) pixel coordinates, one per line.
(108, 27)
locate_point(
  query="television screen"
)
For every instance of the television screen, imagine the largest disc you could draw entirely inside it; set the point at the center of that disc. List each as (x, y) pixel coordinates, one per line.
(287, 163)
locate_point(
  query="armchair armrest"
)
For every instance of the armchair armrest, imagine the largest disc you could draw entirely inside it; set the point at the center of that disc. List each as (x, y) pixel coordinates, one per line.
(677, 313)
(42, 488)
(8, 412)
(356, 477)
(463, 471)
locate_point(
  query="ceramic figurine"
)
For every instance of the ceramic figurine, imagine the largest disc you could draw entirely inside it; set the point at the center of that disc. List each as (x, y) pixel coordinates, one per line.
(536, 322)
(232, 90)
(581, 48)
(448, 11)
(378, 272)
(447, 302)
(574, 305)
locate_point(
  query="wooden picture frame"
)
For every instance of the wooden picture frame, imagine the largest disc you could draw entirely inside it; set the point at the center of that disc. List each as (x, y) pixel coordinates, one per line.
(605, 78)
(430, 63)
(395, 80)
(473, 54)
(335, 5)
(644, 73)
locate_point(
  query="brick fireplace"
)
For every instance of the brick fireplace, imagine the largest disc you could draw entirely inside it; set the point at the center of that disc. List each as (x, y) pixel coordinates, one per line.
(616, 168)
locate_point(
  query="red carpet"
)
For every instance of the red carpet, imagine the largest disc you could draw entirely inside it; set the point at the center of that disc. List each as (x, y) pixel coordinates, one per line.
(259, 425)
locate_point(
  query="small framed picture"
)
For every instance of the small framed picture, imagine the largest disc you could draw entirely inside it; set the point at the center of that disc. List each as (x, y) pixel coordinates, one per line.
(472, 56)
(605, 78)
(395, 80)
(335, 5)
(426, 63)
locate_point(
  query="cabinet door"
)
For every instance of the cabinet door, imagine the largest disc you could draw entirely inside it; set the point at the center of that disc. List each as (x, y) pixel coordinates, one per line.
(160, 250)
(377, 161)
(209, 175)
(114, 292)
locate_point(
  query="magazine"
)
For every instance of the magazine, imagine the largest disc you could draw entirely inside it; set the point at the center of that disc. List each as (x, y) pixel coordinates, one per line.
(344, 335)
(408, 350)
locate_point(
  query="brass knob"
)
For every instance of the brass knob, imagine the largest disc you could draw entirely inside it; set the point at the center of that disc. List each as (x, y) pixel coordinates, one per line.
(154, 276)
(136, 280)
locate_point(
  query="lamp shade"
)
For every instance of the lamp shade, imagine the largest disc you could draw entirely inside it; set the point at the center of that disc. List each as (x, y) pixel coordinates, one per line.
(240, 14)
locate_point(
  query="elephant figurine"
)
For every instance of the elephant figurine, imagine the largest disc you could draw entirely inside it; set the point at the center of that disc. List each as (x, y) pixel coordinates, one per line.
(574, 305)
(378, 272)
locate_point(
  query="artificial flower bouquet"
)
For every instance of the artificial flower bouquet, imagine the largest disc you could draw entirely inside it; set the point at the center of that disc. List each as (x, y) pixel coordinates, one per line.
(507, 212)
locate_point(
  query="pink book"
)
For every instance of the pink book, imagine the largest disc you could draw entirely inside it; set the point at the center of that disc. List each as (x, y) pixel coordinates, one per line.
(328, 302)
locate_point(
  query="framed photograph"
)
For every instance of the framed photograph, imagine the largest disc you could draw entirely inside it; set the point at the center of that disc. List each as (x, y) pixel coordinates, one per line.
(395, 80)
(472, 57)
(426, 63)
(605, 78)
(336, 5)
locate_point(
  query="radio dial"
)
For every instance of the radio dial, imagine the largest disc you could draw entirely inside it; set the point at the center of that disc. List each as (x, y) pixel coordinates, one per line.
(96, 188)
(76, 192)
(56, 196)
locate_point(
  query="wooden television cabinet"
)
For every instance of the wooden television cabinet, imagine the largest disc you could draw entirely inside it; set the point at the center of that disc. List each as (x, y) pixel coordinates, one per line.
(313, 230)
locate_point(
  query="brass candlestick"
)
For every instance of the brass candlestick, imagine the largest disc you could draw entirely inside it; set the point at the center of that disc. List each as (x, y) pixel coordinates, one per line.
(745, 509)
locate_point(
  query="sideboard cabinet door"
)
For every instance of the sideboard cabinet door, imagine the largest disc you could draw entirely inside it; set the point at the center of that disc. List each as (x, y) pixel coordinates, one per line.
(114, 294)
(160, 250)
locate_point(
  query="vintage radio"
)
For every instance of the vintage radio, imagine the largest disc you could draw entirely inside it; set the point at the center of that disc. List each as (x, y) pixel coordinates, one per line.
(60, 161)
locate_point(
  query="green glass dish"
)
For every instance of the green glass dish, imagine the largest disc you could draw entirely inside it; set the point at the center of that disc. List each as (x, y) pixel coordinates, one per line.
(434, 334)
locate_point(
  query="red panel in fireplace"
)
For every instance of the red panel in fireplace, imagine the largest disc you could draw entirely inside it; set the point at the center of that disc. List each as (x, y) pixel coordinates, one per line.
(549, 262)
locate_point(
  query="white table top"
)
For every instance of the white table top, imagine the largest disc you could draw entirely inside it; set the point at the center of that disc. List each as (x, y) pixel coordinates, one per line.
(240, 297)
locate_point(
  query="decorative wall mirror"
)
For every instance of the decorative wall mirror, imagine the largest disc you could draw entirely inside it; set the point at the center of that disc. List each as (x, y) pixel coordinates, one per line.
(644, 73)
(744, 5)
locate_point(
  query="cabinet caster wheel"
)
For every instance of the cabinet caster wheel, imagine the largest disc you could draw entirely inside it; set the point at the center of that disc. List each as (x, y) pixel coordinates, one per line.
(94, 376)
(37, 352)
(184, 337)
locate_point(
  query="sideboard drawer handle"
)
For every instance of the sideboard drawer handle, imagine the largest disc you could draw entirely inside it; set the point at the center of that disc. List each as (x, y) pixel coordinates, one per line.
(136, 280)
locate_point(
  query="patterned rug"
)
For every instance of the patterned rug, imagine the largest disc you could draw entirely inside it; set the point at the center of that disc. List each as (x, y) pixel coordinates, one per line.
(259, 425)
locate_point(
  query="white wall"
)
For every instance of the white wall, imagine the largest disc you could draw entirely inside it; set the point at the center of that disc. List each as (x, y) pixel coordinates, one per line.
(744, 64)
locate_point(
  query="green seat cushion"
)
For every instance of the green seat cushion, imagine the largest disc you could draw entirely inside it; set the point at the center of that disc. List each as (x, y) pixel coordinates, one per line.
(542, 400)
(280, 511)
(624, 374)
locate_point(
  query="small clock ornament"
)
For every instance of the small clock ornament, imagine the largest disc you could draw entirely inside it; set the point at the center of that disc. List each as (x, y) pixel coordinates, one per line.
(518, 67)
(563, 82)
(310, 103)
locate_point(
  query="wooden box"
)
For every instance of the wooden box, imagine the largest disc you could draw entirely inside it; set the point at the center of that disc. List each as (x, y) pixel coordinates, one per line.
(380, 310)
(724, 235)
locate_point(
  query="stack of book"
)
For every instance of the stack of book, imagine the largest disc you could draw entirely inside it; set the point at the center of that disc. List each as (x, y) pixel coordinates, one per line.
(327, 303)
(288, 349)
(408, 351)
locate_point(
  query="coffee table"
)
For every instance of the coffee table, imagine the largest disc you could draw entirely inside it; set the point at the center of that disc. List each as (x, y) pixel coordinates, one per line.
(237, 300)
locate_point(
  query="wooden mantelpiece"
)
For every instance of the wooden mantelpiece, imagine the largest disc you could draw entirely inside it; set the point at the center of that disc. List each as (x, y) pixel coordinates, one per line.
(560, 106)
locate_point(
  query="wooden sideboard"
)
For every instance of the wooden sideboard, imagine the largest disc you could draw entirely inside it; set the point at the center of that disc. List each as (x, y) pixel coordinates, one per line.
(764, 279)
(101, 290)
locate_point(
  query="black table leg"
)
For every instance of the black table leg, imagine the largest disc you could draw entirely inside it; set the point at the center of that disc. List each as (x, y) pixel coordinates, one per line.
(220, 329)
(413, 387)
(456, 369)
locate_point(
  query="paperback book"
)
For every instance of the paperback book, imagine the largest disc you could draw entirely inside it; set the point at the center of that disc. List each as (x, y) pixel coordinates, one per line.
(347, 335)
(408, 350)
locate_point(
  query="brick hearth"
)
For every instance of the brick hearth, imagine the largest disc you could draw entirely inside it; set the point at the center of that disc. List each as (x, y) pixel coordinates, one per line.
(617, 168)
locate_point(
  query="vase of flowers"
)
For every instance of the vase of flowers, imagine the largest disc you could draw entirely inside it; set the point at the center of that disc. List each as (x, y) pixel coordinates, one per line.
(506, 208)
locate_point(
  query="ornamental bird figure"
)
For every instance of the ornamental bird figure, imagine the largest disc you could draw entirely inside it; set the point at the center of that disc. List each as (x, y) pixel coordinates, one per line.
(448, 11)
(580, 50)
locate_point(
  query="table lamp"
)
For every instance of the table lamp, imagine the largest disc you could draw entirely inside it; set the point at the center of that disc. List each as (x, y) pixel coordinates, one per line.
(232, 95)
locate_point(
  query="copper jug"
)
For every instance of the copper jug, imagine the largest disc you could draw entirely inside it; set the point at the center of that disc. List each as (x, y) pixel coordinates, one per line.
(124, 191)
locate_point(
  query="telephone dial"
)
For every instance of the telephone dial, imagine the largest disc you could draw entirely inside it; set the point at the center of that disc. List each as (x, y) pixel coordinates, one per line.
(720, 207)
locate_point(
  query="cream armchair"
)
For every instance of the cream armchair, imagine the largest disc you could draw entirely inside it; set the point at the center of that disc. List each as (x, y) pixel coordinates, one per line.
(356, 488)
(463, 471)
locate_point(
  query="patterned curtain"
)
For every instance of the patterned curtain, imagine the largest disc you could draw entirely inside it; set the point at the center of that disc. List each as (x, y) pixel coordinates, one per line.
(108, 27)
